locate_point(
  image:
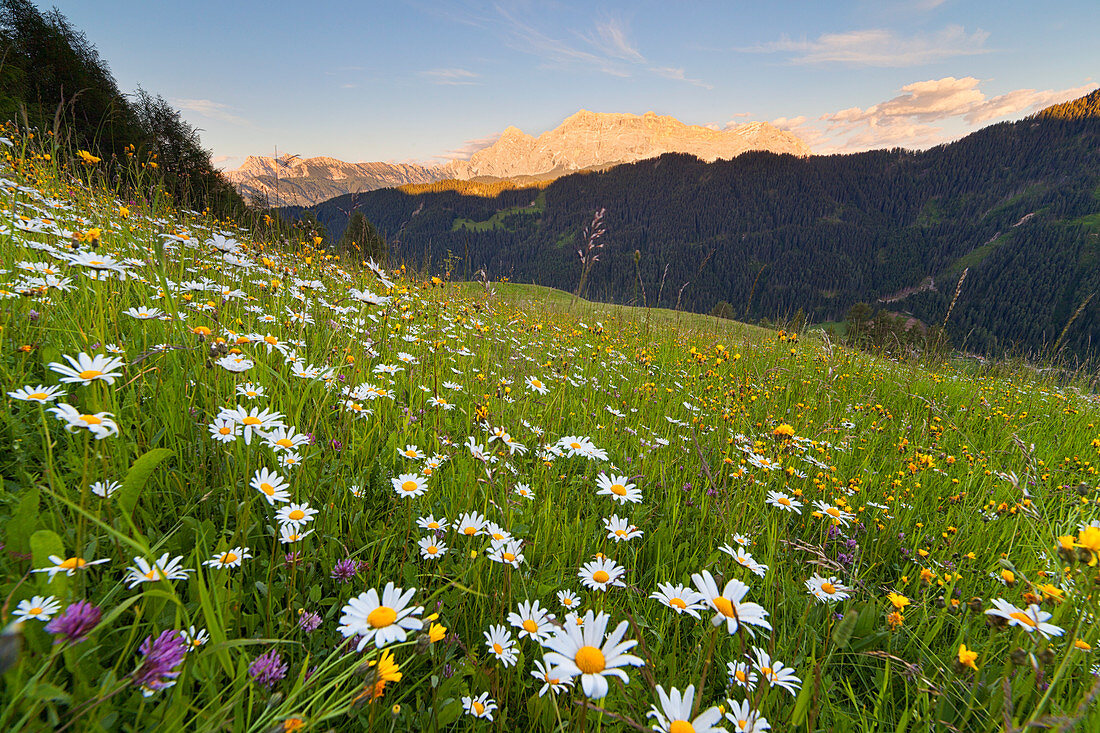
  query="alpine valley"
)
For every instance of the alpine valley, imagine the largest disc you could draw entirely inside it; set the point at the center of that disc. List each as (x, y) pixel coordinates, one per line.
(1015, 205)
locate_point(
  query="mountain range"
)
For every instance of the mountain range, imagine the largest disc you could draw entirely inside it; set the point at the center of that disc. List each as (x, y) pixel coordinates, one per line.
(1015, 205)
(584, 141)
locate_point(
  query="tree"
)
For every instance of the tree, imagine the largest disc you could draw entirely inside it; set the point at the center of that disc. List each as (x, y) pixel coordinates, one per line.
(361, 240)
(722, 309)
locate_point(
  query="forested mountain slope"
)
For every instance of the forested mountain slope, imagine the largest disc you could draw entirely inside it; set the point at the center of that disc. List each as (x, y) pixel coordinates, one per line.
(1016, 203)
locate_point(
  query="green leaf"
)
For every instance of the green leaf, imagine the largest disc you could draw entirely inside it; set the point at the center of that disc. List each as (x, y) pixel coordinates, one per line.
(137, 476)
(43, 544)
(842, 632)
(23, 521)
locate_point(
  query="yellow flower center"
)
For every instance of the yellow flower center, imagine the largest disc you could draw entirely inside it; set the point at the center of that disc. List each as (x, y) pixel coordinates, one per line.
(296, 514)
(725, 607)
(72, 563)
(478, 707)
(509, 557)
(590, 660)
(381, 617)
(620, 532)
(784, 501)
(1023, 618)
(229, 557)
(498, 648)
(470, 531)
(251, 420)
(536, 383)
(37, 396)
(271, 340)
(833, 512)
(267, 489)
(151, 575)
(432, 550)
(575, 445)
(677, 603)
(741, 676)
(91, 419)
(225, 430)
(409, 486)
(410, 453)
(828, 588)
(681, 726)
(284, 442)
(618, 489)
(601, 576)
(530, 626)
(567, 601)
(35, 611)
(433, 525)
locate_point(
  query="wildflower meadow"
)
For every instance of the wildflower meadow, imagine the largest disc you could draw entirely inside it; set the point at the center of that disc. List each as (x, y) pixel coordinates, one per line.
(248, 486)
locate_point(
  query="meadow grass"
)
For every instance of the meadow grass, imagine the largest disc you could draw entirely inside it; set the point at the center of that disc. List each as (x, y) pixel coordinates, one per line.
(907, 496)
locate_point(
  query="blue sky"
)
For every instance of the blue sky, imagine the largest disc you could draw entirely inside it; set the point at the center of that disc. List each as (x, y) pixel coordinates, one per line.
(416, 80)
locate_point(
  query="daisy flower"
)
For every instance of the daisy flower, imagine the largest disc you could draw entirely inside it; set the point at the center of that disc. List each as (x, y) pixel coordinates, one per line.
(67, 565)
(506, 551)
(229, 559)
(496, 532)
(569, 599)
(295, 514)
(101, 424)
(290, 460)
(501, 645)
(194, 638)
(532, 621)
(382, 620)
(289, 533)
(285, 439)
(40, 394)
(411, 451)
(619, 529)
(104, 489)
(409, 485)
(601, 573)
(163, 569)
(254, 421)
(827, 590)
(524, 491)
(440, 402)
(742, 675)
(536, 385)
(271, 485)
(481, 706)
(679, 598)
(588, 652)
(745, 560)
(784, 502)
(674, 714)
(250, 391)
(1031, 619)
(618, 488)
(432, 524)
(549, 684)
(40, 608)
(223, 430)
(776, 673)
(84, 369)
(839, 516)
(729, 604)
(745, 719)
(470, 524)
(235, 363)
(431, 549)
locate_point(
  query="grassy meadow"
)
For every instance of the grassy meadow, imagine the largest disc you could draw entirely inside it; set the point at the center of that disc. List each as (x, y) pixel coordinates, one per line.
(249, 487)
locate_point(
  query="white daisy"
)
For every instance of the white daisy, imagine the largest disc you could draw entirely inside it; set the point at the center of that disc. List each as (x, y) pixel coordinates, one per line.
(384, 620)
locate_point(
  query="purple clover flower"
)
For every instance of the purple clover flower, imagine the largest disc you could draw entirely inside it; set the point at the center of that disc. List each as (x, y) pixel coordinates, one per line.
(308, 621)
(75, 622)
(268, 668)
(161, 656)
(345, 570)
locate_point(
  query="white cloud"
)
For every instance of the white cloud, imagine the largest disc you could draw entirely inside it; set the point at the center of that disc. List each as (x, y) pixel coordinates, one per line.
(879, 47)
(1023, 100)
(227, 162)
(906, 120)
(451, 77)
(470, 147)
(669, 72)
(209, 108)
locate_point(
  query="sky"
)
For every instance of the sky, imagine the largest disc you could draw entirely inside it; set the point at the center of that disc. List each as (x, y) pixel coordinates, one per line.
(423, 81)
